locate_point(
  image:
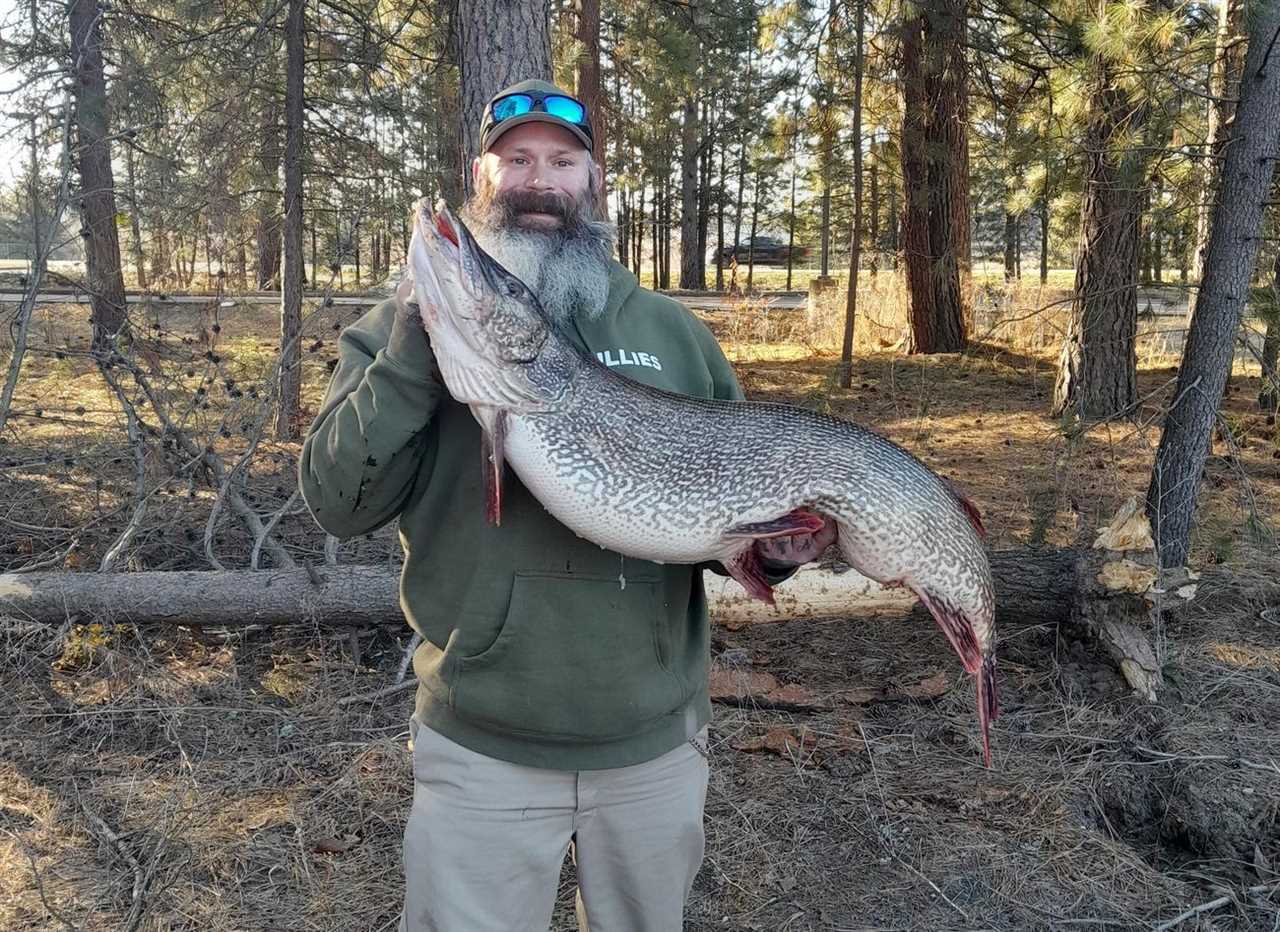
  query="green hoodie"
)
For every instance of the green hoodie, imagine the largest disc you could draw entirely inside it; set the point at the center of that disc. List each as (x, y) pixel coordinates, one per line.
(539, 647)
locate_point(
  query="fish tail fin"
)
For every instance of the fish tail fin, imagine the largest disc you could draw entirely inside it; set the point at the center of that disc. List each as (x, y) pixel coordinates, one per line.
(960, 632)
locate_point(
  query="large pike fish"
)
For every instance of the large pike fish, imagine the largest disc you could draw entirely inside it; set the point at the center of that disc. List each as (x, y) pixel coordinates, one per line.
(675, 479)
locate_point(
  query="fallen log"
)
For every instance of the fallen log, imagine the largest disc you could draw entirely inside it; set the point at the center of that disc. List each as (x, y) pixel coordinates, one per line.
(1031, 586)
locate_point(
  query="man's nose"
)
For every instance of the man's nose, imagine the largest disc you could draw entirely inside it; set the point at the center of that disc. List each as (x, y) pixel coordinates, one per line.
(537, 181)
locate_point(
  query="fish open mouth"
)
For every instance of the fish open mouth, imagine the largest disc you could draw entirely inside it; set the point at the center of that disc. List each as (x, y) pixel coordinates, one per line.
(445, 227)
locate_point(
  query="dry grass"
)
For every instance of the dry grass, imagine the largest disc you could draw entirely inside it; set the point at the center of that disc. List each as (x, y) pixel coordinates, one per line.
(178, 779)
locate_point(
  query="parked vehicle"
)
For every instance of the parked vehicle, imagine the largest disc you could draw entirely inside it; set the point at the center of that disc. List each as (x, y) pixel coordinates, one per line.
(769, 250)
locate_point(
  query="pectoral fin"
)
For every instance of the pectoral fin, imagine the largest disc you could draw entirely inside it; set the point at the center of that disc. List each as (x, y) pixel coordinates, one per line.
(795, 522)
(493, 424)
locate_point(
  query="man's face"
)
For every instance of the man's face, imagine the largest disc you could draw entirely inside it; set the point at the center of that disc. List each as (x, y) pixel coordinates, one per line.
(541, 171)
(534, 210)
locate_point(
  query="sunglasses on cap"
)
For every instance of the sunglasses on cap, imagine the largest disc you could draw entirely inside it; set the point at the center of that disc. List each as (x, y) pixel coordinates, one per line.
(556, 105)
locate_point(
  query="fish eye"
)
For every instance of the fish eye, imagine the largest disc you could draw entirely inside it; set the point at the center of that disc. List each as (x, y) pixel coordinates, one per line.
(514, 289)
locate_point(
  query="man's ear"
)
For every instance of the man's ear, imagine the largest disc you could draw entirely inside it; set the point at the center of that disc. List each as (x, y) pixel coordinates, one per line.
(475, 173)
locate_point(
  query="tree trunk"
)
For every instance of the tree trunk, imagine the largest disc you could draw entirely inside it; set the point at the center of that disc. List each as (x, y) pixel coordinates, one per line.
(855, 240)
(97, 186)
(587, 83)
(755, 220)
(689, 277)
(135, 225)
(453, 174)
(824, 263)
(288, 400)
(705, 158)
(935, 171)
(665, 204)
(638, 255)
(500, 42)
(1269, 396)
(1234, 239)
(1044, 228)
(874, 233)
(721, 191)
(1030, 584)
(656, 213)
(1144, 239)
(1010, 246)
(791, 211)
(1097, 368)
(267, 232)
(1224, 89)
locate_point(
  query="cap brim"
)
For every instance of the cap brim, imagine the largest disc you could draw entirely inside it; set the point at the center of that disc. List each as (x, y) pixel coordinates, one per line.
(533, 116)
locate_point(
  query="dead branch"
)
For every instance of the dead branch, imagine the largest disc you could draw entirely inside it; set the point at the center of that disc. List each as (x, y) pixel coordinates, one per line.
(35, 873)
(138, 444)
(1211, 905)
(139, 876)
(283, 510)
(397, 687)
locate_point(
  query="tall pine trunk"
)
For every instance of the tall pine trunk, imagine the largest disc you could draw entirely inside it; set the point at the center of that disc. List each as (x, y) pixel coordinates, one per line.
(97, 186)
(268, 213)
(935, 172)
(1097, 368)
(855, 239)
(873, 235)
(1247, 171)
(755, 220)
(721, 192)
(288, 400)
(1224, 88)
(587, 79)
(135, 223)
(1269, 395)
(689, 266)
(520, 30)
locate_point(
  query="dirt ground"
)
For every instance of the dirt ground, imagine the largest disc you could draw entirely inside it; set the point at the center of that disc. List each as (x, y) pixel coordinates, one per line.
(187, 779)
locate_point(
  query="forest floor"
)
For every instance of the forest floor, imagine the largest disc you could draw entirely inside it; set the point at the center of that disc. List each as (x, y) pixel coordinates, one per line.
(184, 779)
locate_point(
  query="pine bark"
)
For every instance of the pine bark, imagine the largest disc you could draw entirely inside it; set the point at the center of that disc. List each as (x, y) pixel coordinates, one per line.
(1248, 167)
(587, 76)
(690, 272)
(1269, 396)
(1031, 584)
(500, 42)
(97, 185)
(1097, 368)
(1224, 88)
(288, 399)
(855, 239)
(267, 231)
(935, 170)
(135, 223)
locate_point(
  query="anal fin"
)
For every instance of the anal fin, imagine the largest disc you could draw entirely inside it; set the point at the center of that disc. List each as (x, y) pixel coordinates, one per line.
(746, 569)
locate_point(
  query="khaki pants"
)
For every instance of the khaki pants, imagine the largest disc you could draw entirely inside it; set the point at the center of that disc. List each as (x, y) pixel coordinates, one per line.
(486, 840)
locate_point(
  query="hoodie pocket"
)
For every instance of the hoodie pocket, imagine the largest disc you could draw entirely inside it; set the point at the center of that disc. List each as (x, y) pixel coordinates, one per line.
(578, 657)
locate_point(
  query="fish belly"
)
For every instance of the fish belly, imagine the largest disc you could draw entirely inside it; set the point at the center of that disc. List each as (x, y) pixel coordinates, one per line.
(608, 506)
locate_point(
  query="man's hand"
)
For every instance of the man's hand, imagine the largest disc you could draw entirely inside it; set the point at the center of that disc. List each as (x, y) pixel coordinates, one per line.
(798, 548)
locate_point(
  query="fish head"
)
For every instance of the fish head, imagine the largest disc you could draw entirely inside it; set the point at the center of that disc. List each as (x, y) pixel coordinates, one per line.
(477, 313)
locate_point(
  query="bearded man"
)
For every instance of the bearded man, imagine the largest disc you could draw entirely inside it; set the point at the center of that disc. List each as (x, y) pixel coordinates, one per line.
(562, 688)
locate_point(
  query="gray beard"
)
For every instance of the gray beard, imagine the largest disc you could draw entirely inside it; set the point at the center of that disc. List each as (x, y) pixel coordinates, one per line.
(569, 273)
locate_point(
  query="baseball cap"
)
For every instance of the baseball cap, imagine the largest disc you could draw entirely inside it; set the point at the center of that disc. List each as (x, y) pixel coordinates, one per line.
(533, 101)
